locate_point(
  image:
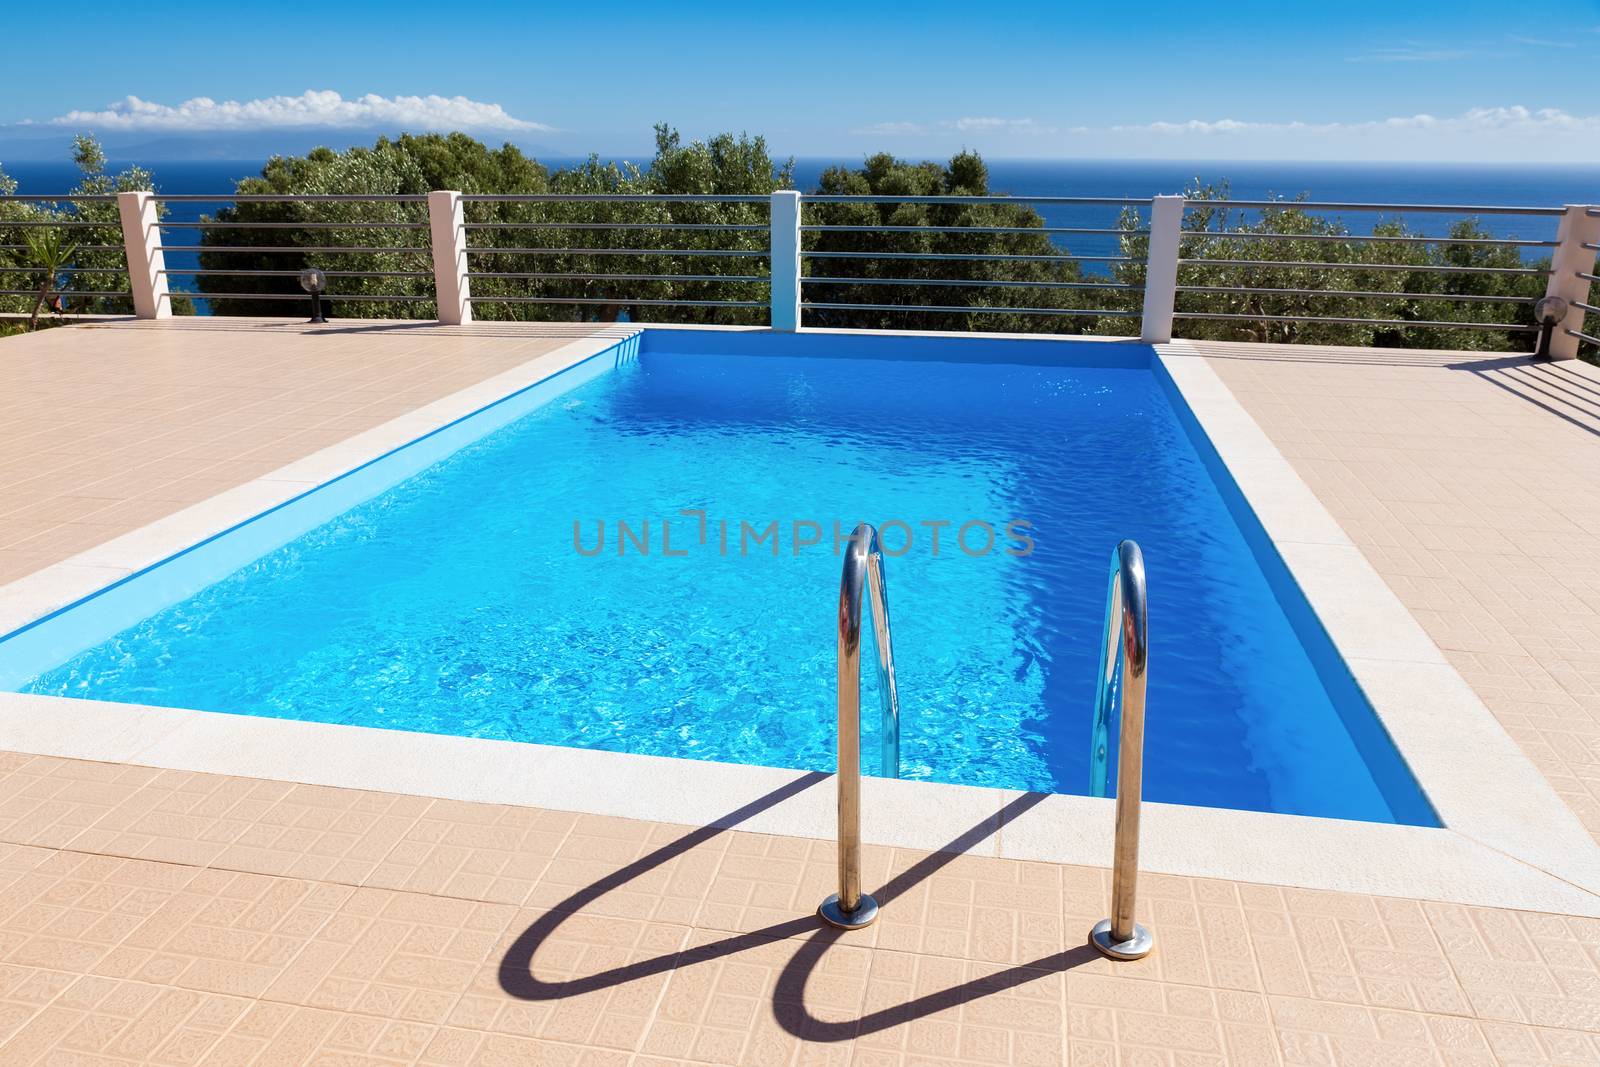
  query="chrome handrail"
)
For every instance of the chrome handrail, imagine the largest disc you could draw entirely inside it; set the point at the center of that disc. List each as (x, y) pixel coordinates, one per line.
(1126, 646)
(850, 908)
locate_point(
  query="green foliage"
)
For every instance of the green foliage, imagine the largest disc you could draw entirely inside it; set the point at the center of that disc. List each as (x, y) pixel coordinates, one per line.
(49, 252)
(1359, 281)
(95, 264)
(586, 241)
(600, 261)
(1041, 279)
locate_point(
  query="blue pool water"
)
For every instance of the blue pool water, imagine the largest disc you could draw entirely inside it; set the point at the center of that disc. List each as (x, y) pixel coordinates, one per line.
(463, 601)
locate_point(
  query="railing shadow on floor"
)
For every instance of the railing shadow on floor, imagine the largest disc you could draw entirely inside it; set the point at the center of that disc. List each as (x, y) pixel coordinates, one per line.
(1558, 390)
(518, 980)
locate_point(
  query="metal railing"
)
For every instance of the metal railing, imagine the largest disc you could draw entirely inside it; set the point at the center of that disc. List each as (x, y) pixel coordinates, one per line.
(81, 279)
(861, 260)
(395, 286)
(875, 290)
(1260, 296)
(862, 574)
(681, 264)
(1119, 702)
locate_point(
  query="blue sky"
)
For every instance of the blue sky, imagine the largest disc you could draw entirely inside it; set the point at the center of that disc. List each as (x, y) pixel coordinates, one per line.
(1230, 80)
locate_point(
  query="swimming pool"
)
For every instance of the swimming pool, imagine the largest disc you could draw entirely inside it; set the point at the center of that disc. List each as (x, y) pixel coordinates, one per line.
(645, 562)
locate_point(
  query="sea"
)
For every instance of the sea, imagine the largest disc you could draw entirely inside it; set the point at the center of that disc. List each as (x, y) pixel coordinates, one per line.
(1467, 185)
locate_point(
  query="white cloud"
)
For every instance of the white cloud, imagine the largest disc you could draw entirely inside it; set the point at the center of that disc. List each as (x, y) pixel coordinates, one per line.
(1515, 119)
(1542, 42)
(991, 124)
(1411, 54)
(891, 129)
(971, 124)
(312, 108)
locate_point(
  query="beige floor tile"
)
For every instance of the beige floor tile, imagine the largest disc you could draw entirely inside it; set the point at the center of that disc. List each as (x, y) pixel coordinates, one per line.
(198, 417)
(629, 869)
(937, 1010)
(24, 993)
(572, 979)
(393, 955)
(225, 932)
(333, 835)
(50, 802)
(477, 851)
(749, 1000)
(72, 909)
(455, 1047)
(773, 885)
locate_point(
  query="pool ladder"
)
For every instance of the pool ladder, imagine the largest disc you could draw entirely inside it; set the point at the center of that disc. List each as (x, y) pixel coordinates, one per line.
(1119, 698)
(850, 908)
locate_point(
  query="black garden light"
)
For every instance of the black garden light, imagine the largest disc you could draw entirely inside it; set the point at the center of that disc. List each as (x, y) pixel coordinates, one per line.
(314, 282)
(1548, 313)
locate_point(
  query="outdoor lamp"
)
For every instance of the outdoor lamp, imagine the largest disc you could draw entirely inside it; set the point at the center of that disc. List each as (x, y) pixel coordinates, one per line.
(314, 282)
(1548, 313)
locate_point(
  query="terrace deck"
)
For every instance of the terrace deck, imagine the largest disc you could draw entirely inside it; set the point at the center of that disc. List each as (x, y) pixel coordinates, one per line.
(170, 916)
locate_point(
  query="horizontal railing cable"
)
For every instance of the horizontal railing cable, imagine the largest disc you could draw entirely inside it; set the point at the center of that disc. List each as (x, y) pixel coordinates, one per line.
(1344, 320)
(1354, 293)
(1436, 209)
(213, 225)
(604, 198)
(292, 198)
(685, 252)
(67, 293)
(549, 276)
(998, 283)
(65, 198)
(80, 248)
(617, 300)
(686, 226)
(295, 274)
(971, 256)
(831, 198)
(1590, 308)
(276, 249)
(1584, 337)
(1371, 237)
(110, 224)
(974, 229)
(1285, 264)
(977, 309)
(376, 298)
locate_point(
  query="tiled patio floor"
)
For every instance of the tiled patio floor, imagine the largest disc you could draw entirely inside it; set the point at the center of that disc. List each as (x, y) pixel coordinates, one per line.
(172, 917)
(1472, 484)
(106, 428)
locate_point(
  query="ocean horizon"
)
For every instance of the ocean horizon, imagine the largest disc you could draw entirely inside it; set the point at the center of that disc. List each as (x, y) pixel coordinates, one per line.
(1463, 184)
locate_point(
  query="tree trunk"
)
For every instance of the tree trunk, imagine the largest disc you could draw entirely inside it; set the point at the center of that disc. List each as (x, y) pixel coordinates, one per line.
(33, 316)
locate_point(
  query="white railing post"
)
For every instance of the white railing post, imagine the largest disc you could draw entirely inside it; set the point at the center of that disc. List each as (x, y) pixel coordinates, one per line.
(785, 246)
(1567, 265)
(1161, 269)
(447, 226)
(141, 240)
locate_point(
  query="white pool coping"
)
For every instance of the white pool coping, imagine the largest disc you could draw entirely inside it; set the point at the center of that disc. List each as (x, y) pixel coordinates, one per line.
(1508, 840)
